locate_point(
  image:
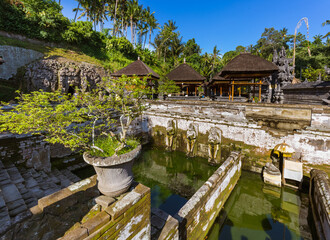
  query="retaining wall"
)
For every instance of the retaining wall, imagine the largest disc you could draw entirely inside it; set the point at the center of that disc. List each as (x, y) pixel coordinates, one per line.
(196, 217)
(320, 201)
(255, 128)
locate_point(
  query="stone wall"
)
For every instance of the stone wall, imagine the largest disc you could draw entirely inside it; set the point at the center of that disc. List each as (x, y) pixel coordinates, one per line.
(254, 128)
(196, 217)
(60, 73)
(126, 218)
(15, 57)
(320, 201)
(71, 213)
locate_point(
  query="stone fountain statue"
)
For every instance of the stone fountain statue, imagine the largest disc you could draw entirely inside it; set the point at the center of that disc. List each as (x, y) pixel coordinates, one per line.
(170, 134)
(192, 134)
(214, 141)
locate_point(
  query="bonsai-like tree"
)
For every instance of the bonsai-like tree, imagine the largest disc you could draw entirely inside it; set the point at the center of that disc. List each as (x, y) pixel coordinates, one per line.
(75, 120)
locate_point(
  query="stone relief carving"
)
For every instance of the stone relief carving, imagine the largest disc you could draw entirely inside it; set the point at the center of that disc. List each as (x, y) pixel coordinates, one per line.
(170, 134)
(192, 134)
(214, 141)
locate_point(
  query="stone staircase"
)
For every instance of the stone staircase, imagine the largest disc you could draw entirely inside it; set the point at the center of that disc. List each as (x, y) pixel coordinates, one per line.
(20, 189)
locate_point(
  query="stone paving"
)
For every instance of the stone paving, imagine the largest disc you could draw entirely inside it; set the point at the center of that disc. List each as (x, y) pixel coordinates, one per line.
(21, 187)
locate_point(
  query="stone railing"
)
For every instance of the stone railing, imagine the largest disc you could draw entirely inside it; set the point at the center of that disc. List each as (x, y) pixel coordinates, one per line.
(319, 194)
(196, 217)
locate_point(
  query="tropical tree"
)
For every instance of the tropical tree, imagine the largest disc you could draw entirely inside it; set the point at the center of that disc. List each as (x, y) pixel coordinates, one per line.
(327, 22)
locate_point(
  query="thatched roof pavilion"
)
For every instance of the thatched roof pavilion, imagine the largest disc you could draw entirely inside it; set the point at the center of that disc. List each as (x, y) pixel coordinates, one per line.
(137, 68)
(186, 77)
(249, 66)
(240, 71)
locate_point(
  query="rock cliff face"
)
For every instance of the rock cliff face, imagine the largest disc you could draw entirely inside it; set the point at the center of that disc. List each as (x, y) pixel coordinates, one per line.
(60, 73)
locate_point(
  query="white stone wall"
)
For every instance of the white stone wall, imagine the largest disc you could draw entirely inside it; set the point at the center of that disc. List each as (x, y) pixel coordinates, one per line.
(313, 141)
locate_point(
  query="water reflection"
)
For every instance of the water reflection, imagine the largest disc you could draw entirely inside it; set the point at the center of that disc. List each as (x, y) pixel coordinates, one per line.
(257, 211)
(168, 173)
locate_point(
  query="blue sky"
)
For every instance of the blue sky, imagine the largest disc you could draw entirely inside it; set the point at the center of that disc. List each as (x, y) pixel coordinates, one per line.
(228, 24)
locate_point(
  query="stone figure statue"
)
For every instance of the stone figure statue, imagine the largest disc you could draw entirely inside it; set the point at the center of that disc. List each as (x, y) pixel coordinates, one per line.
(284, 75)
(192, 133)
(170, 134)
(214, 141)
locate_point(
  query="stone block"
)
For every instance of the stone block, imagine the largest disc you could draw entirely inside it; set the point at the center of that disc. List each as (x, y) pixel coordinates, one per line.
(10, 193)
(96, 222)
(55, 197)
(271, 179)
(104, 201)
(157, 222)
(77, 233)
(119, 207)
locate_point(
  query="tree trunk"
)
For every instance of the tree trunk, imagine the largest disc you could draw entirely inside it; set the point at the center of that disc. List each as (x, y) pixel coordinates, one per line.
(75, 16)
(132, 36)
(149, 37)
(114, 19)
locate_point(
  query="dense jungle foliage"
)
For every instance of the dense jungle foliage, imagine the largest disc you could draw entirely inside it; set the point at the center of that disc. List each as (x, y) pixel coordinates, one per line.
(42, 19)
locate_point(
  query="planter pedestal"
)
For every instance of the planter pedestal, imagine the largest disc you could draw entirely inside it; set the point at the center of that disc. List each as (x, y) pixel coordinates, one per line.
(114, 174)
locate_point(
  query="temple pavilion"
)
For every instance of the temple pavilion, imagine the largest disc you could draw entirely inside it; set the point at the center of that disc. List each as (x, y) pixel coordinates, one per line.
(140, 69)
(187, 78)
(245, 70)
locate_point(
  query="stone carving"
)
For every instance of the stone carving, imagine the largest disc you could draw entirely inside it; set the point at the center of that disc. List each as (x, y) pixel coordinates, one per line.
(214, 141)
(272, 175)
(61, 73)
(192, 134)
(170, 134)
(40, 160)
(284, 76)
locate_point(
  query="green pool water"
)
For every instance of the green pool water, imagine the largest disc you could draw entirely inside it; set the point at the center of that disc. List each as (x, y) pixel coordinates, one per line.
(172, 176)
(255, 210)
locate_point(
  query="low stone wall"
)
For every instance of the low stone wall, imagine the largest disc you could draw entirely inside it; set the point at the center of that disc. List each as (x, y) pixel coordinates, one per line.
(71, 213)
(126, 218)
(320, 200)
(196, 217)
(255, 129)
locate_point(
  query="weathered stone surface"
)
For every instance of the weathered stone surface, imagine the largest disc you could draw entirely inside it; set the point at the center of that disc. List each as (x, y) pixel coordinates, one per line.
(104, 201)
(10, 193)
(60, 73)
(15, 57)
(262, 126)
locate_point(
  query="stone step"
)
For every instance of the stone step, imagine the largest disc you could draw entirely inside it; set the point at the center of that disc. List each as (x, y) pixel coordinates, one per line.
(72, 177)
(16, 207)
(15, 175)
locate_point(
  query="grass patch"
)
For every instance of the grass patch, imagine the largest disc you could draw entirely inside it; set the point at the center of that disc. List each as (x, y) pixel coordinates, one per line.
(109, 144)
(72, 54)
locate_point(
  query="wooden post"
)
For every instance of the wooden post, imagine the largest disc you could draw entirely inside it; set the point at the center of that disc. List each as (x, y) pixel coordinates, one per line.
(195, 90)
(239, 91)
(232, 92)
(229, 91)
(254, 88)
(260, 91)
(220, 91)
(187, 90)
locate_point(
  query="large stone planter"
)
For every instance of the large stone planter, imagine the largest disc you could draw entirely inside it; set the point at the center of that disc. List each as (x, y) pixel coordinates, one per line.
(114, 174)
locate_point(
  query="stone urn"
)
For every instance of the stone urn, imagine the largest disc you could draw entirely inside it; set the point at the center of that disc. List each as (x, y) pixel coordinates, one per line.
(114, 174)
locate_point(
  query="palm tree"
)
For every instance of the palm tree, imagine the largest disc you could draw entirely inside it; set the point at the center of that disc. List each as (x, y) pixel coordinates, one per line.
(133, 12)
(152, 22)
(327, 22)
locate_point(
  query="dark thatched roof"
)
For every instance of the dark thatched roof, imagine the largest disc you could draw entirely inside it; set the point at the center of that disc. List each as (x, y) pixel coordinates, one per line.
(247, 65)
(137, 68)
(184, 73)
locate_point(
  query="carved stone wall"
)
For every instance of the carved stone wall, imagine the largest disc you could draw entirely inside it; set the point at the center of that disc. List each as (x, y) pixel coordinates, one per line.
(257, 128)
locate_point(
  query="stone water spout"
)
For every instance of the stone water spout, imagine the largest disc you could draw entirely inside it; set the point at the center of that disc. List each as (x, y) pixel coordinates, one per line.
(192, 134)
(170, 134)
(214, 141)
